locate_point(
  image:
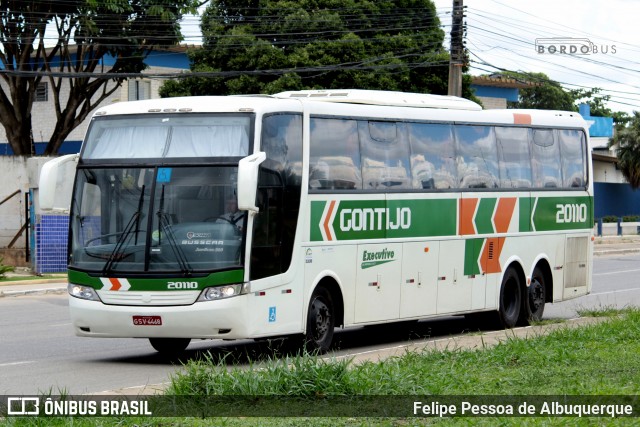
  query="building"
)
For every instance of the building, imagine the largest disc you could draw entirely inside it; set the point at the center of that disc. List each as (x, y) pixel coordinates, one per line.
(165, 61)
(496, 90)
(21, 226)
(613, 196)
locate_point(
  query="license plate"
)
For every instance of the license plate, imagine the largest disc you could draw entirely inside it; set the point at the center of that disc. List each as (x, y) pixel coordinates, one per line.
(147, 320)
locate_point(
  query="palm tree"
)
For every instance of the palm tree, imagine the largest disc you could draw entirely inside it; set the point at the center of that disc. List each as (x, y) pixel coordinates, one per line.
(627, 140)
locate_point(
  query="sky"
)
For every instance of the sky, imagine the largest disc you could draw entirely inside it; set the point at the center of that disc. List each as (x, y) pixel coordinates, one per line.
(502, 34)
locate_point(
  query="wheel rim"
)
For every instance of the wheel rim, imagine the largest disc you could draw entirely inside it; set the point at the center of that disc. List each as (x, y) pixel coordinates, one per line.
(322, 319)
(536, 295)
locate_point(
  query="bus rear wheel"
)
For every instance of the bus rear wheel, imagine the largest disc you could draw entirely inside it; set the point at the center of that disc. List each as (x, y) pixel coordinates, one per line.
(510, 299)
(320, 322)
(169, 346)
(534, 305)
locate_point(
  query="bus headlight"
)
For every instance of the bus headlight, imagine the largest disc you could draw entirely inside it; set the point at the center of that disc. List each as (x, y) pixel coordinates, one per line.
(82, 292)
(221, 292)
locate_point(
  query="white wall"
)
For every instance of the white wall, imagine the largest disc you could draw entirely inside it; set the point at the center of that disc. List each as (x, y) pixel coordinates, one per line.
(43, 113)
(607, 172)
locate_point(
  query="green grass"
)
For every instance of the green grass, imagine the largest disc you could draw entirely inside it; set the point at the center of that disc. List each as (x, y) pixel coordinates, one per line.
(603, 311)
(33, 277)
(598, 359)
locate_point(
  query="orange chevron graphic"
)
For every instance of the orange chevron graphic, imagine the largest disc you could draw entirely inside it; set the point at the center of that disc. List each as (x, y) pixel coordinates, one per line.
(115, 284)
(467, 212)
(490, 257)
(503, 214)
(327, 229)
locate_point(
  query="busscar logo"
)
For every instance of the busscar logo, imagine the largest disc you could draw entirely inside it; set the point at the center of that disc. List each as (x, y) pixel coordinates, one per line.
(571, 46)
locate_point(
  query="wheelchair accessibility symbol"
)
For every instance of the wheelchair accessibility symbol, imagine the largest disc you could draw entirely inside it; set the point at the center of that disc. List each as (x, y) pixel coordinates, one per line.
(272, 314)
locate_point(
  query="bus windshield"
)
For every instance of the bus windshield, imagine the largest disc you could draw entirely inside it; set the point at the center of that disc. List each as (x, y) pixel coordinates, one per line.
(175, 220)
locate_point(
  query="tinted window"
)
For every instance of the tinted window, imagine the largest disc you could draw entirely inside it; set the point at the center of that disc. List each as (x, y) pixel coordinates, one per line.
(514, 157)
(545, 161)
(334, 155)
(278, 195)
(477, 159)
(573, 158)
(385, 155)
(432, 156)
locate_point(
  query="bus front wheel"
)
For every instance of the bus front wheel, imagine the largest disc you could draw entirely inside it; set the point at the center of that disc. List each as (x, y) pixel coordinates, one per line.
(320, 322)
(169, 346)
(510, 299)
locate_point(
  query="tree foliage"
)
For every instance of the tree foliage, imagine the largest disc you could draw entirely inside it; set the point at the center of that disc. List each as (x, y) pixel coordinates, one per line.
(85, 32)
(627, 143)
(545, 94)
(268, 46)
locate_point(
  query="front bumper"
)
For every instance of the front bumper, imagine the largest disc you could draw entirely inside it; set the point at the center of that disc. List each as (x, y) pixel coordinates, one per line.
(225, 319)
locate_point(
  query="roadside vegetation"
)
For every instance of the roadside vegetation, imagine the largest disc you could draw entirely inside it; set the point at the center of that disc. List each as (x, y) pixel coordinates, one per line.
(21, 278)
(598, 359)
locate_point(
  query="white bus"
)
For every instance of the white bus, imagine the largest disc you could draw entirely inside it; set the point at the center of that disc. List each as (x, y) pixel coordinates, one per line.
(355, 208)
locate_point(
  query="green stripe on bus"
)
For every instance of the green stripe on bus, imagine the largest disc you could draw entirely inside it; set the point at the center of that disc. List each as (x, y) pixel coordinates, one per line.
(525, 214)
(335, 220)
(484, 215)
(563, 213)
(152, 284)
(317, 208)
(380, 219)
(472, 248)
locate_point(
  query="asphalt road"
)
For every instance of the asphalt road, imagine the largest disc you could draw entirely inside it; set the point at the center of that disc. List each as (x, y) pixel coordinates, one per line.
(40, 354)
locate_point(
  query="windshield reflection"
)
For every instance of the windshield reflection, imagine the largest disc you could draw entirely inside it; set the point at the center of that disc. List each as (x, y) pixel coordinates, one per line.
(167, 219)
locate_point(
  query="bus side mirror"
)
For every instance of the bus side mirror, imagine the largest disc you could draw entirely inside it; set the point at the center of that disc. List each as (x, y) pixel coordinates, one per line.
(248, 181)
(48, 184)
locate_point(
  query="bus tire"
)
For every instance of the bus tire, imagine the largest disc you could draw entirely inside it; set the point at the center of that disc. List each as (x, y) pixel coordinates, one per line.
(510, 299)
(536, 297)
(320, 322)
(169, 346)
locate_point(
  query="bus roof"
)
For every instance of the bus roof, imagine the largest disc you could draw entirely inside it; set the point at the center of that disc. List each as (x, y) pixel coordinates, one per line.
(379, 97)
(385, 105)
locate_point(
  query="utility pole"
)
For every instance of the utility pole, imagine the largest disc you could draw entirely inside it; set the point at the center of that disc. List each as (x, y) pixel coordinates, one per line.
(456, 60)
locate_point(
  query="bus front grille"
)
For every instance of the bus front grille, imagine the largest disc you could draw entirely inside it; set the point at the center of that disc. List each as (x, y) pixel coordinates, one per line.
(149, 298)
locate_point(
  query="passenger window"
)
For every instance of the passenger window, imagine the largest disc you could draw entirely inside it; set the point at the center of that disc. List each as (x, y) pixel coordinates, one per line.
(385, 155)
(334, 155)
(514, 159)
(477, 158)
(432, 156)
(545, 153)
(574, 172)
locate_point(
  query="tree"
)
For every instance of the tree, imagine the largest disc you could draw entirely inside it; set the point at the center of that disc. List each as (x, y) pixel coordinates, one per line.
(546, 94)
(270, 46)
(86, 32)
(627, 140)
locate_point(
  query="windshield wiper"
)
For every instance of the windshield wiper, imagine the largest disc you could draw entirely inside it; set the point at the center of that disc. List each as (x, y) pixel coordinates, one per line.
(163, 224)
(116, 254)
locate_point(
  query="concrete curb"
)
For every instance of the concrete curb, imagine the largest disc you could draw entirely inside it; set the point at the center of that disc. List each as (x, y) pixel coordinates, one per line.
(606, 252)
(16, 293)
